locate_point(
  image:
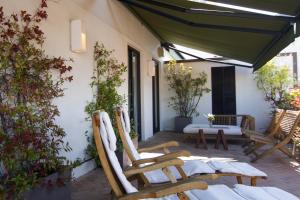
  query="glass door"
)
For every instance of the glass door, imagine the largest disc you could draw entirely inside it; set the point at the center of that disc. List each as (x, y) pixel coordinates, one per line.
(134, 89)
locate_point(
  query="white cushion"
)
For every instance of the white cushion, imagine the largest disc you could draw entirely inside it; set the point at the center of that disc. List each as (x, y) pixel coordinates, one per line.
(263, 193)
(236, 167)
(109, 141)
(216, 192)
(240, 192)
(144, 155)
(190, 167)
(125, 121)
(228, 129)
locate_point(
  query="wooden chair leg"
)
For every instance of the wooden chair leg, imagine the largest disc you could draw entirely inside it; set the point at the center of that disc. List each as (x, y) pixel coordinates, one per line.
(218, 139)
(198, 139)
(286, 151)
(265, 153)
(253, 181)
(224, 142)
(203, 139)
(254, 148)
(239, 180)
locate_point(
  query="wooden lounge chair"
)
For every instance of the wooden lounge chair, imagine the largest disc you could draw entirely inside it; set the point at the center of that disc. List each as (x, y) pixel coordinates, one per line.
(279, 137)
(271, 130)
(187, 189)
(191, 167)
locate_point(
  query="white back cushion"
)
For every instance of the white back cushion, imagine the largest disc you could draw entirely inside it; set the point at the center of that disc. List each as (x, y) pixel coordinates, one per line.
(125, 121)
(109, 140)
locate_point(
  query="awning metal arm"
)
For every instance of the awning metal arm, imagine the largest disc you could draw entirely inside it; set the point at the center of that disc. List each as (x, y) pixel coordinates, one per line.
(167, 46)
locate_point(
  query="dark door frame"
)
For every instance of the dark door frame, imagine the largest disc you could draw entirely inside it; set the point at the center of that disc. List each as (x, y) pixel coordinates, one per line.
(156, 79)
(132, 50)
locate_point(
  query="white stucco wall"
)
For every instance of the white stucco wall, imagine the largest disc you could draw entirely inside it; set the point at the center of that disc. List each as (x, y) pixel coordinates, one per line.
(107, 21)
(249, 100)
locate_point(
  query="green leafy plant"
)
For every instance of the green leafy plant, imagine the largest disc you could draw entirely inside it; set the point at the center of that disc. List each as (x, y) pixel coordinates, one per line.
(30, 140)
(187, 90)
(275, 82)
(106, 80)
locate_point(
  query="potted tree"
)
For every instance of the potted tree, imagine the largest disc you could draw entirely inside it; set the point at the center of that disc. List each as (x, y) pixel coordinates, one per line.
(30, 140)
(187, 92)
(275, 82)
(106, 80)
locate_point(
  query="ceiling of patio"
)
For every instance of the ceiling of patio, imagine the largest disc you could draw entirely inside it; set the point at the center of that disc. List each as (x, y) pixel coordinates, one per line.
(230, 32)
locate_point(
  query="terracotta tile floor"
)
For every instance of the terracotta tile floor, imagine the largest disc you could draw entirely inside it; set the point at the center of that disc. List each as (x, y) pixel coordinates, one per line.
(282, 171)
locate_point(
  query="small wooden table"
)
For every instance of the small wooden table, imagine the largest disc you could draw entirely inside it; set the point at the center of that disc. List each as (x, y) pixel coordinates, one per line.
(200, 131)
(220, 138)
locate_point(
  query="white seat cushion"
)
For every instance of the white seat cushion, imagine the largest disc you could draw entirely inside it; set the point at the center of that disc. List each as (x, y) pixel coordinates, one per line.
(240, 192)
(216, 192)
(236, 167)
(193, 167)
(190, 167)
(228, 129)
(263, 193)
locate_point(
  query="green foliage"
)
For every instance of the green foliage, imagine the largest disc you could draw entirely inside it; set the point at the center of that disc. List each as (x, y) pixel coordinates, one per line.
(30, 141)
(188, 90)
(105, 82)
(275, 82)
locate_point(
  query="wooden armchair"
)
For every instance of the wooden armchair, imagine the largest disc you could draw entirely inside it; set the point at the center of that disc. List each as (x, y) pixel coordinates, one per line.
(279, 137)
(123, 190)
(271, 130)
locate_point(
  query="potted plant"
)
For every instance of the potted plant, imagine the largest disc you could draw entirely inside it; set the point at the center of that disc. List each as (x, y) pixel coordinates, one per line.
(275, 82)
(187, 92)
(30, 140)
(106, 80)
(210, 118)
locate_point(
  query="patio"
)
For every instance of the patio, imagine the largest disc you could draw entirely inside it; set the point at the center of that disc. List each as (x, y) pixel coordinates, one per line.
(168, 63)
(282, 172)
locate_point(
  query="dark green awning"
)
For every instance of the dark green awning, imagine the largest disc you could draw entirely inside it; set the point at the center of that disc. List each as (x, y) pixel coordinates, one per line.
(249, 37)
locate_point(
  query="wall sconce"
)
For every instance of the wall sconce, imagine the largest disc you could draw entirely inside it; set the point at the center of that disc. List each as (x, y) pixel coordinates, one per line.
(151, 68)
(78, 36)
(160, 52)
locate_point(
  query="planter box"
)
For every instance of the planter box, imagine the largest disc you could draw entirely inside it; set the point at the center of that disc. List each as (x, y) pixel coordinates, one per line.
(123, 157)
(53, 192)
(181, 122)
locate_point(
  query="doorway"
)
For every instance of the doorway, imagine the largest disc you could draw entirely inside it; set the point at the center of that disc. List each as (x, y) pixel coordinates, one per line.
(223, 90)
(155, 100)
(134, 89)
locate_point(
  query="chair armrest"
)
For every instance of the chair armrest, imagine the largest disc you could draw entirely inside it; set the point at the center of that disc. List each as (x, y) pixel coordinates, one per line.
(159, 146)
(154, 166)
(168, 156)
(167, 189)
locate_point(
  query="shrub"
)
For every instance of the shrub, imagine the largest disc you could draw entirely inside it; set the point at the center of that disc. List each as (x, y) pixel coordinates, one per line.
(30, 141)
(105, 82)
(275, 82)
